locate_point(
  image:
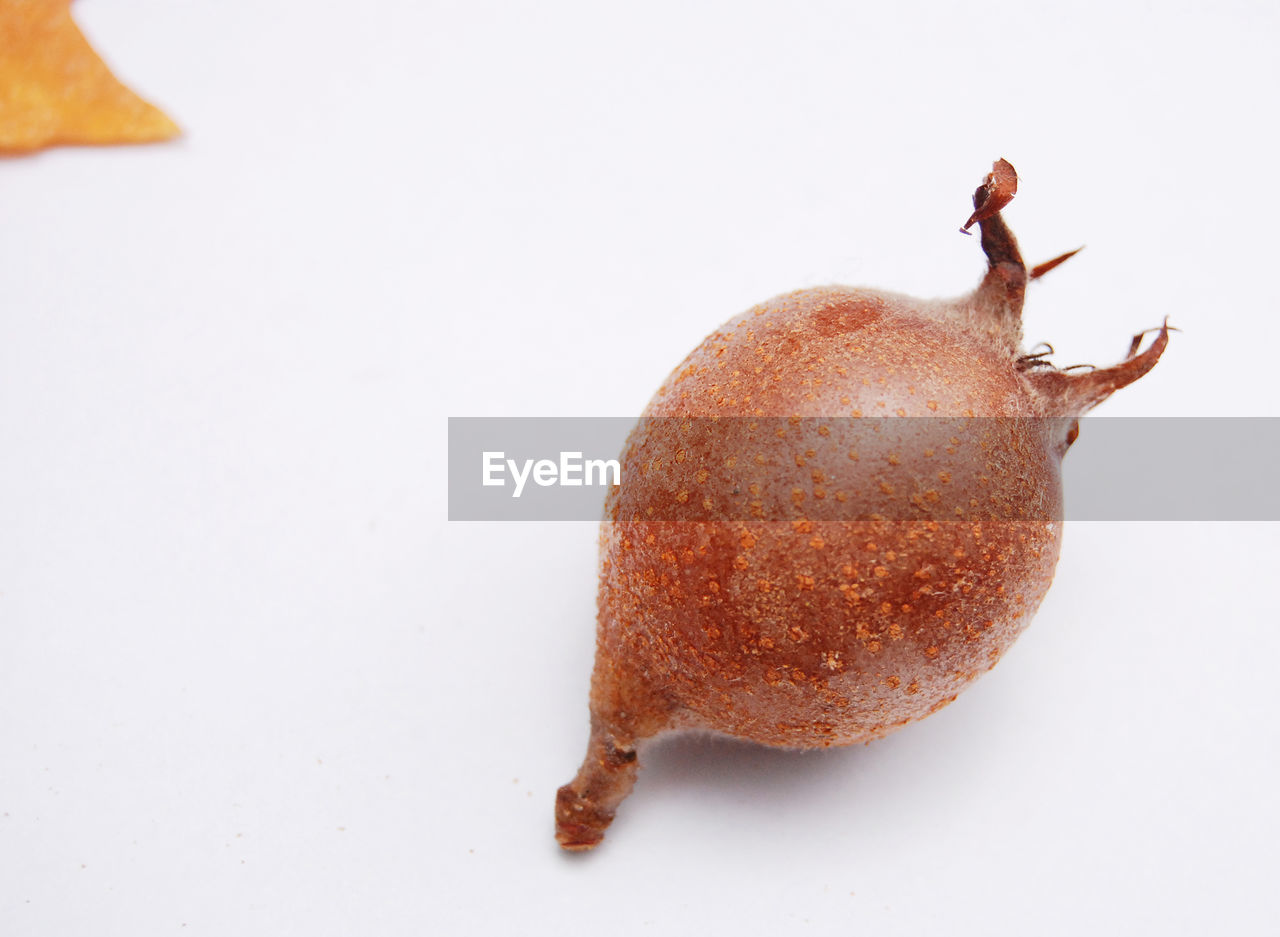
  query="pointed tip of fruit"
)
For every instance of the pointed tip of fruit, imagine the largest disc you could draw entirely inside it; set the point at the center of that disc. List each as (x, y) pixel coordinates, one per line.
(580, 825)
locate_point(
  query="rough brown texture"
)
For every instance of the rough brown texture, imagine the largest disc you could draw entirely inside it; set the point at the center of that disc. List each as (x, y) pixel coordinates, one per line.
(767, 620)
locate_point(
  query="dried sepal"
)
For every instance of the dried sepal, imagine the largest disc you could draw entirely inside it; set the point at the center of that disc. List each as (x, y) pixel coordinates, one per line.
(997, 191)
(1069, 392)
(1040, 270)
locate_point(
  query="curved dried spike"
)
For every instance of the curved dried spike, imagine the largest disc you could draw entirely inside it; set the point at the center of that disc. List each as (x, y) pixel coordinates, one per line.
(1136, 343)
(1035, 359)
(1075, 394)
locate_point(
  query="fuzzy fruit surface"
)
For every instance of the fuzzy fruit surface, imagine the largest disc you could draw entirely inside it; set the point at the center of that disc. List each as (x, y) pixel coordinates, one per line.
(768, 624)
(837, 511)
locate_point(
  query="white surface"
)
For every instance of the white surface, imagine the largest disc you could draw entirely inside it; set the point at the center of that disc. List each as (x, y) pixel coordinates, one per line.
(253, 682)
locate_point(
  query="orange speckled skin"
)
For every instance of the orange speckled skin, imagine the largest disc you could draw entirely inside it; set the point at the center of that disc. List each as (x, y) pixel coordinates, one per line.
(839, 510)
(765, 624)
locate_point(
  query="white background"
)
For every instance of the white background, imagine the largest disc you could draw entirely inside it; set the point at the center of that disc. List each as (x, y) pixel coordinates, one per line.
(253, 682)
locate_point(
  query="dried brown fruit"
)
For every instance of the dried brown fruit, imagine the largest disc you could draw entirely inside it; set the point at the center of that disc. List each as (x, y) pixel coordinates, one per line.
(844, 576)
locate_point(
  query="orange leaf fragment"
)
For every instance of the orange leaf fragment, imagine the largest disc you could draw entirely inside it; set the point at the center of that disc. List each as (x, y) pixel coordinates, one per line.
(54, 89)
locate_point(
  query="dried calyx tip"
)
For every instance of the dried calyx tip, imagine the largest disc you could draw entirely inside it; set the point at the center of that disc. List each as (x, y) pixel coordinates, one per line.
(997, 191)
(1040, 270)
(1077, 391)
(1136, 343)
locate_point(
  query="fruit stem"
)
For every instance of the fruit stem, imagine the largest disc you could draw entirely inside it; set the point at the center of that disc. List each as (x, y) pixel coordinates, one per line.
(1004, 288)
(586, 805)
(998, 242)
